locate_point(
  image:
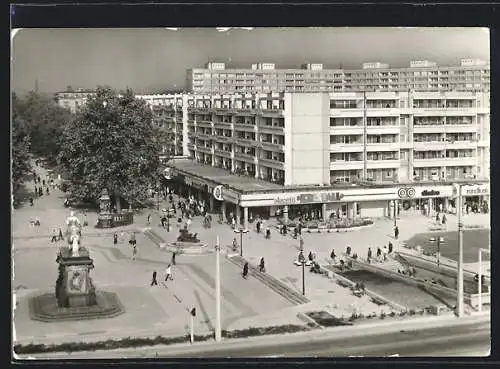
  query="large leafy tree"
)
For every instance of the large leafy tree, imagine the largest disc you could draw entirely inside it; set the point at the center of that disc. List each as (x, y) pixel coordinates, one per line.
(111, 144)
(20, 157)
(44, 120)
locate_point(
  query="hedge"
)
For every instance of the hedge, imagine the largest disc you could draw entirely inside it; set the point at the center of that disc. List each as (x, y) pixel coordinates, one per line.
(130, 342)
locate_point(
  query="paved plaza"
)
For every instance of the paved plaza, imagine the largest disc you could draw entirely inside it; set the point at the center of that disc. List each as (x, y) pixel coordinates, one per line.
(151, 311)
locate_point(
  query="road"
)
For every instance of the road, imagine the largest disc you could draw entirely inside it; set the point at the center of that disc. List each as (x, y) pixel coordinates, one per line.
(471, 338)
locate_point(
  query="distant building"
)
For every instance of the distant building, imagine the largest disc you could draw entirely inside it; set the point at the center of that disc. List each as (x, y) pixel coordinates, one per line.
(422, 75)
(73, 99)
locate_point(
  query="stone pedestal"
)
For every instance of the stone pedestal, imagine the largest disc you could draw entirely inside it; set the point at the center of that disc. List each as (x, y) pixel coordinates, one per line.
(105, 220)
(74, 287)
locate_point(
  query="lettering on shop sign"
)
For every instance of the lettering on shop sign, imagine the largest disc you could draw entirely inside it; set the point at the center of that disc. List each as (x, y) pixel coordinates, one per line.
(309, 198)
(430, 193)
(477, 191)
(218, 193)
(406, 192)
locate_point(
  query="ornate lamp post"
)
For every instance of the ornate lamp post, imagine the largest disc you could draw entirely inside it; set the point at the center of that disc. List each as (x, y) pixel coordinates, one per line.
(241, 231)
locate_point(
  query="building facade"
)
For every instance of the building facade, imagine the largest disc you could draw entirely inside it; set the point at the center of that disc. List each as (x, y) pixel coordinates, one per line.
(72, 100)
(422, 75)
(328, 138)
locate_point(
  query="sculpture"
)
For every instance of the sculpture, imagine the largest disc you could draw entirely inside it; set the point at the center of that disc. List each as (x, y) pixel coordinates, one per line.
(185, 236)
(75, 245)
(73, 231)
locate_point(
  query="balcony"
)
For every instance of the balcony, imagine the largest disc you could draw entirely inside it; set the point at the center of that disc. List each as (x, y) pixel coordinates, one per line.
(346, 165)
(459, 162)
(205, 136)
(383, 164)
(431, 128)
(380, 130)
(270, 129)
(382, 146)
(429, 163)
(355, 147)
(346, 130)
(440, 112)
(461, 128)
(249, 158)
(223, 153)
(347, 113)
(429, 145)
(244, 127)
(204, 149)
(271, 112)
(271, 163)
(383, 112)
(204, 123)
(246, 142)
(461, 144)
(223, 125)
(268, 145)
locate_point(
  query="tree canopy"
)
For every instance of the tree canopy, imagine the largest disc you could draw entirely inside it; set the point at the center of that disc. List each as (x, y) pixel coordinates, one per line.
(20, 157)
(111, 144)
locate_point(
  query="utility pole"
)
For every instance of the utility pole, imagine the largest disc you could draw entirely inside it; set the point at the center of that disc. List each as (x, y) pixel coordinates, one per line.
(218, 335)
(460, 267)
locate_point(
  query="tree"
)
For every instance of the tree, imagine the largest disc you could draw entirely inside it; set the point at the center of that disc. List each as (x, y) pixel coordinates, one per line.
(20, 158)
(44, 122)
(111, 144)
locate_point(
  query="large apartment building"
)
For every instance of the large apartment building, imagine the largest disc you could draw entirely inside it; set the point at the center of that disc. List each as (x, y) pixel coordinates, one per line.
(73, 99)
(326, 138)
(421, 75)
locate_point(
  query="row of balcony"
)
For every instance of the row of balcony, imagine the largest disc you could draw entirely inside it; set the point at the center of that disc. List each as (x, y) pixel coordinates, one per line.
(420, 112)
(249, 111)
(417, 163)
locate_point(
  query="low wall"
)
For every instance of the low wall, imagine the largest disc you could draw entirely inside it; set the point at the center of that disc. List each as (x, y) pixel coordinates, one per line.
(485, 299)
(446, 267)
(408, 280)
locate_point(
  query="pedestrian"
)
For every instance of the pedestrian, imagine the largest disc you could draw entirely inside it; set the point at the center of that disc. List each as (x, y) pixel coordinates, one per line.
(37, 221)
(437, 217)
(444, 219)
(235, 244)
(54, 235)
(61, 237)
(31, 201)
(268, 233)
(284, 229)
(258, 226)
(40, 191)
(163, 220)
(132, 240)
(154, 282)
(310, 256)
(47, 191)
(384, 253)
(115, 239)
(262, 267)
(369, 255)
(301, 243)
(134, 252)
(390, 247)
(149, 219)
(379, 253)
(245, 270)
(233, 222)
(396, 232)
(43, 182)
(333, 255)
(348, 250)
(188, 223)
(168, 273)
(174, 254)
(85, 221)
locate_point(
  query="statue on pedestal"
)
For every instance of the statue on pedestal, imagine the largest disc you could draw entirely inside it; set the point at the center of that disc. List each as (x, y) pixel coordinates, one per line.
(74, 232)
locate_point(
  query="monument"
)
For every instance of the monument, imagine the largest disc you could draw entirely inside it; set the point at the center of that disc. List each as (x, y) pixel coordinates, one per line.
(109, 219)
(188, 243)
(75, 294)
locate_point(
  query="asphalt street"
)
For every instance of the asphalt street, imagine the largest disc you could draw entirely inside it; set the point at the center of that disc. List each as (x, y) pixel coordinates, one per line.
(469, 339)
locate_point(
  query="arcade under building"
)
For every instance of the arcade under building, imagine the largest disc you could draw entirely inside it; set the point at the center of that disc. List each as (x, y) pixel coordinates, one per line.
(246, 197)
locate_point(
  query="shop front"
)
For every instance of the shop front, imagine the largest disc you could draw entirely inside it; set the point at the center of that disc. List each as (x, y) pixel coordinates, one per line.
(476, 198)
(426, 200)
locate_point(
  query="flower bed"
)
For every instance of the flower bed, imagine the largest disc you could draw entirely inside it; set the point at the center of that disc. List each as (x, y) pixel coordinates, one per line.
(332, 224)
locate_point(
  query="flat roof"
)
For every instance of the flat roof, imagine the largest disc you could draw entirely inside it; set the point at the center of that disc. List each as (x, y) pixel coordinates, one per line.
(247, 184)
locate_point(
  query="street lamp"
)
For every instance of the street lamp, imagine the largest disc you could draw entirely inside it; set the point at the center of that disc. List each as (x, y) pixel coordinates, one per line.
(302, 260)
(241, 231)
(218, 333)
(439, 241)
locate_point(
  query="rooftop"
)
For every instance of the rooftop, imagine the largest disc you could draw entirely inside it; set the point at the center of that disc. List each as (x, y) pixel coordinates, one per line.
(247, 184)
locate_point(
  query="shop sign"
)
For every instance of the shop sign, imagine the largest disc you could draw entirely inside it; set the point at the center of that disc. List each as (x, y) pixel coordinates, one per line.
(309, 198)
(430, 193)
(218, 193)
(406, 192)
(477, 190)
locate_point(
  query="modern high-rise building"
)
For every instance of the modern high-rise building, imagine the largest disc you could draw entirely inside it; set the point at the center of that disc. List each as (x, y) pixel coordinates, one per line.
(422, 75)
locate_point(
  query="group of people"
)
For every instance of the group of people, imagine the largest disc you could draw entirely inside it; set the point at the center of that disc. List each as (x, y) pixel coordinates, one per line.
(40, 184)
(382, 253)
(262, 268)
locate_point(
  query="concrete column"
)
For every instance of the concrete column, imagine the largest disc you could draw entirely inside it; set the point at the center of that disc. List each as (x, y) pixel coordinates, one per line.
(354, 207)
(323, 211)
(245, 217)
(431, 205)
(285, 213)
(223, 206)
(211, 204)
(238, 215)
(350, 211)
(446, 204)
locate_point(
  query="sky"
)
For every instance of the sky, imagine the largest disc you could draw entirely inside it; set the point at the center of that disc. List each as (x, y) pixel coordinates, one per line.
(157, 58)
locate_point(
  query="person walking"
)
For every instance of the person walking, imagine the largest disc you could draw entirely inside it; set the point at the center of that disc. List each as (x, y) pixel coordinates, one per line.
(379, 253)
(115, 239)
(149, 219)
(154, 282)
(384, 253)
(258, 226)
(47, 191)
(61, 237)
(31, 201)
(132, 240)
(369, 255)
(333, 256)
(174, 254)
(188, 223)
(168, 273)
(245, 270)
(310, 256)
(37, 221)
(54, 235)
(134, 252)
(390, 247)
(262, 267)
(396, 232)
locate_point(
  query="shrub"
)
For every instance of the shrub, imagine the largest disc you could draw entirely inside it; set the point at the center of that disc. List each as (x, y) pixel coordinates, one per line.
(392, 314)
(382, 315)
(412, 312)
(403, 313)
